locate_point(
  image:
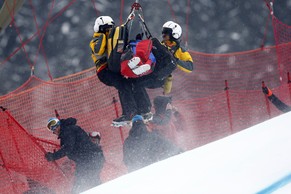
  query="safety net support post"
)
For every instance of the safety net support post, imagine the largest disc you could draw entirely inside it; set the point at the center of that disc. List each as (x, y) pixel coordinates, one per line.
(57, 114)
(267, 101)
(226, 89)
(32, 71)
(117, 115)
(289, 84)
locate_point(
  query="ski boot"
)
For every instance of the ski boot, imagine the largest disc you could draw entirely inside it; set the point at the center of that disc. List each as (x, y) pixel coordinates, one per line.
(147, 117)
(122, 121)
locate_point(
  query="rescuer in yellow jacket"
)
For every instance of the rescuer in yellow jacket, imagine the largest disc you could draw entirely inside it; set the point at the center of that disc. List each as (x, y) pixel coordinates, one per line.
(171, 38)
(169, 55)
(101, 49)
(107, 46)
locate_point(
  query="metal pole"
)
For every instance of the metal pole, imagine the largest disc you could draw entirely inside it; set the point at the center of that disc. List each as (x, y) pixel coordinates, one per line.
(228, 106)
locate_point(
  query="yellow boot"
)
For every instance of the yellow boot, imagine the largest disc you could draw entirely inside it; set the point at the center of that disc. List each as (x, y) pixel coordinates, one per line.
(168, 85)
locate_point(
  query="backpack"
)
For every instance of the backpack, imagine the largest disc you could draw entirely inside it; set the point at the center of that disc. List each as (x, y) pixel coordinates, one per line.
(116, 44)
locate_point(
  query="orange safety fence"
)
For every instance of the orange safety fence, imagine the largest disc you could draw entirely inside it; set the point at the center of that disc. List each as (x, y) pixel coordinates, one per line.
(22, 159)
(221, 97)
(211, 109)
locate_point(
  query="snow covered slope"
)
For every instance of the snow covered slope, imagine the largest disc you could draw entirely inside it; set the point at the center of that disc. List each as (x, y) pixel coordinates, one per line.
(256, 160)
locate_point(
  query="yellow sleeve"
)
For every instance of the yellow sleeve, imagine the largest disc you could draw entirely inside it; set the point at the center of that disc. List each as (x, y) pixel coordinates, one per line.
(185, 61)
(98, 44)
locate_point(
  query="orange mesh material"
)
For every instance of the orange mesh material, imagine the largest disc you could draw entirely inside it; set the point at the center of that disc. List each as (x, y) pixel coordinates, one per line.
(282, 34)
(210, 110)
(23, 157)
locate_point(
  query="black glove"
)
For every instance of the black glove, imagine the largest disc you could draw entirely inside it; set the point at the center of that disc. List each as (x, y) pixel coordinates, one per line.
(266, 91)
(49, 156)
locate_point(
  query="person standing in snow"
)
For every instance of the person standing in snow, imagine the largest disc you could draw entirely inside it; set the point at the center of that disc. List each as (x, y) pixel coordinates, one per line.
(76, 145)
(275, 100)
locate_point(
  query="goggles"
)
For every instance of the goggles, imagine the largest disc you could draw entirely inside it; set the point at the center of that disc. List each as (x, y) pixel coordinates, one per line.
(105, 27)
(53, 124)
(167, 31)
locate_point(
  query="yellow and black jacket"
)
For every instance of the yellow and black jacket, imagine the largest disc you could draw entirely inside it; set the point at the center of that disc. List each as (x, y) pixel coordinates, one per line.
(98, 47)
(108, 48)
(184, 59)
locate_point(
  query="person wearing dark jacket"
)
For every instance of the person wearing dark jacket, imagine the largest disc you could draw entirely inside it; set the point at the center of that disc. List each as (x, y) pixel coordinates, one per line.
(275, 100)
(167, 120)
(162, 115)
(142, 148)
(77, 146)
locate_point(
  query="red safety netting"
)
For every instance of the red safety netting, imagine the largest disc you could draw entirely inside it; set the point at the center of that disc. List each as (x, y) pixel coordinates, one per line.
(22, 159)
(221, 97)
(282, 34)
(209, 111)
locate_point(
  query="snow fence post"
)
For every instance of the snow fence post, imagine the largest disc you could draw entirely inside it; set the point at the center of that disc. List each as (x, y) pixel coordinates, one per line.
(289, 84)
(267, 101)
(228, 106)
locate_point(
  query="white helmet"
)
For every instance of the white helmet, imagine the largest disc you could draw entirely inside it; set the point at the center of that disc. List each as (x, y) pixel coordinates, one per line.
(103, 21)
(174, 28)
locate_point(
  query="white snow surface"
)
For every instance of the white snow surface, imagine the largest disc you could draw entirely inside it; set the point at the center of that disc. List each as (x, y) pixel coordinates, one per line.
(255, 160)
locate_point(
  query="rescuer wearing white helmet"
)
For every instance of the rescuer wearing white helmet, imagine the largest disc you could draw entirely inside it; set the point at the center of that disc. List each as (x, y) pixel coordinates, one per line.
(171, 34)
(167, 61)
(100, 52)
(105, 51)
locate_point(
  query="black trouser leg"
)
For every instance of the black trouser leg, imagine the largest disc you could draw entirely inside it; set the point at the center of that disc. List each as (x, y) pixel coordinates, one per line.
(128, 103)
(124, 88)
(142, 100)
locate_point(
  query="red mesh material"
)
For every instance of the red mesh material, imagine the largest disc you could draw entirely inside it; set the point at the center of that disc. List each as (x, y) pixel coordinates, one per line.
(23, 159)
(282, 34)
(209, 109)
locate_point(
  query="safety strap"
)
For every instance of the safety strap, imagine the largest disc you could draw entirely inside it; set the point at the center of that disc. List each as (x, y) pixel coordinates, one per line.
(136, 9)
